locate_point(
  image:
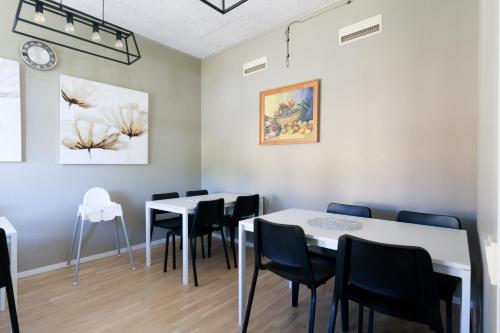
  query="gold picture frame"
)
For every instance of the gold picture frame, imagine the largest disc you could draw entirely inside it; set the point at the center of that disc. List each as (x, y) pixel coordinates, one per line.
(290, 114)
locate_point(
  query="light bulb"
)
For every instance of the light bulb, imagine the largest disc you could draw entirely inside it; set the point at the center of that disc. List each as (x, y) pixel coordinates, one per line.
(96, 37)
(119, 42)
(69, 27)
(95, 34)
(38, 17)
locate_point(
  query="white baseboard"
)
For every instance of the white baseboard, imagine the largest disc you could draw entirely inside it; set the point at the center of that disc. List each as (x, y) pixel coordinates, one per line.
(94, 257)
(98, 256)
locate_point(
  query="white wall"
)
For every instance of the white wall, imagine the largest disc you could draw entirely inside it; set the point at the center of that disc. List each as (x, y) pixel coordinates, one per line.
(487, 197)
(41, 197)
(397, 112)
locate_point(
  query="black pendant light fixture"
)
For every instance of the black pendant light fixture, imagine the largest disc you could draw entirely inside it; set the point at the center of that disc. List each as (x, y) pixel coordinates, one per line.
(56, 23)
(222, 7)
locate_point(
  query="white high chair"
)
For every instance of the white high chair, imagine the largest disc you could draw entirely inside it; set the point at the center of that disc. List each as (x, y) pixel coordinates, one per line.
(97, 207)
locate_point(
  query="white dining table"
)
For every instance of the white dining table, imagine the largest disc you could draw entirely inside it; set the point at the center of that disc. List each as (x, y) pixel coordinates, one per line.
(11, 234)
(185, 206)
(448, 248)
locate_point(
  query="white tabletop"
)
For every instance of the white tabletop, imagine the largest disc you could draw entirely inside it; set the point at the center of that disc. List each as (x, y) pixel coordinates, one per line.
(448, 247)
(5, 225)
(190, 203)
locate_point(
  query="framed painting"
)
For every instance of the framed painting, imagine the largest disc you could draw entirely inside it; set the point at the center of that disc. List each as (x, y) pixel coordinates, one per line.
(10, 112)
(290, 114)
(101, 123)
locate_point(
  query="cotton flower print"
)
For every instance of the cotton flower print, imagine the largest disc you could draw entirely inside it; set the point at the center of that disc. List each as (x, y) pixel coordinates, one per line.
(82, 94)
(88, 135)
(9, 85)
(129, 120)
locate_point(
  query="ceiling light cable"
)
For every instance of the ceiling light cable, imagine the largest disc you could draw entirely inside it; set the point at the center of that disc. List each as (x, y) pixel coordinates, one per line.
(305, 19)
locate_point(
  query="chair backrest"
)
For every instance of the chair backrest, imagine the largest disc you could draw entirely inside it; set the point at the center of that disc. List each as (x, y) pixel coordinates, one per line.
(4, 259)
(207, 214)
(246, 206)
(96, 197)
(162, 196)
(351, 210)
(429, 219)
(195, 193)
(282, 244)
(390, 271)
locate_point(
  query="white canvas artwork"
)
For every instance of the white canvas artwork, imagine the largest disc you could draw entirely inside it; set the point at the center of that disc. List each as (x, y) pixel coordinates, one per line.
(102, 124)
(10, 112)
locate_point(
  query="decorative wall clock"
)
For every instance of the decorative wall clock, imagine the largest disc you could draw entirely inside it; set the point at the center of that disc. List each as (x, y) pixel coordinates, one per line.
(38, 55)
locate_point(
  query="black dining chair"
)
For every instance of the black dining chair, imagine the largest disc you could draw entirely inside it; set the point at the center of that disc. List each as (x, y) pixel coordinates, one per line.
(330, 255)
(208, 218)
(164, 223)
(193, 194)
(245, 207)
(446, 284)
(284, 248)
(196, 192)
(394, 280)
(6, 281)
(341, 209)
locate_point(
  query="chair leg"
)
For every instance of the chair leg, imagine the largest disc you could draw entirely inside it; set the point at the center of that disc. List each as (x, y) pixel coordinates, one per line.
(117, 239)
(312, 311)
(344, 311)
(209, 245)
(128, 244)
(449, 324)
(370, 321)
(360, 318)
(250, 300)
(202, 247)
(231, 235)
(72, 244)
(75, 273)
(333, 314)
(173, 251)
(165, 260)
(12, 304)
(295, 294)
(193, 260)
(225, 247)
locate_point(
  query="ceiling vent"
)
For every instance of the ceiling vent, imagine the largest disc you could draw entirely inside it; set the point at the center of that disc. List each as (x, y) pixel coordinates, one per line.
(360, 30)
(255, 66)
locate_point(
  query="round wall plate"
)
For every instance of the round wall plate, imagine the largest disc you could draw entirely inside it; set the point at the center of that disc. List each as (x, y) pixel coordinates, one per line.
(38, 55)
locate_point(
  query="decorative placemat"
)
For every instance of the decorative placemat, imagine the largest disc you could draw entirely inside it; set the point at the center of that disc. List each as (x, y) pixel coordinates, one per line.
(335, 223)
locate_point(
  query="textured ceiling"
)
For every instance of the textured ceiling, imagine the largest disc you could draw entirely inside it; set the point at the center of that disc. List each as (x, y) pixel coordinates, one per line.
(194, 28)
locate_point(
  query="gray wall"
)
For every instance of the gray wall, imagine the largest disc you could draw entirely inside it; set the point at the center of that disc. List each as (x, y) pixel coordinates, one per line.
(41, 197)
(398, 119)
(487, 200)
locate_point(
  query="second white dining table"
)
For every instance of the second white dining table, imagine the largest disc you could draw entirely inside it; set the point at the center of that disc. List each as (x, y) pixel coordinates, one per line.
(448, 248)
(185, 206)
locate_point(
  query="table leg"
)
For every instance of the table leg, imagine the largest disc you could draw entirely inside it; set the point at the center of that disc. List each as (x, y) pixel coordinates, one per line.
(242, 271)
(465, 306)
(185, 248)
(148, 236)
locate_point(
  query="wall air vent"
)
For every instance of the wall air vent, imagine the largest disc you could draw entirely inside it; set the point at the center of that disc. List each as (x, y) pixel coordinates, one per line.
(360, 30)
(255, 66)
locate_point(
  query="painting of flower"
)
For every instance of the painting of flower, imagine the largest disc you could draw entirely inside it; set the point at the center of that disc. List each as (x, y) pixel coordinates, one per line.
(290, 114)
(10, 112)
(129, 120)
(102, 124)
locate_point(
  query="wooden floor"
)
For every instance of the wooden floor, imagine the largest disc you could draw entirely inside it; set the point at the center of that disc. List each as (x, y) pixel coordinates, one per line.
(110, 297)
